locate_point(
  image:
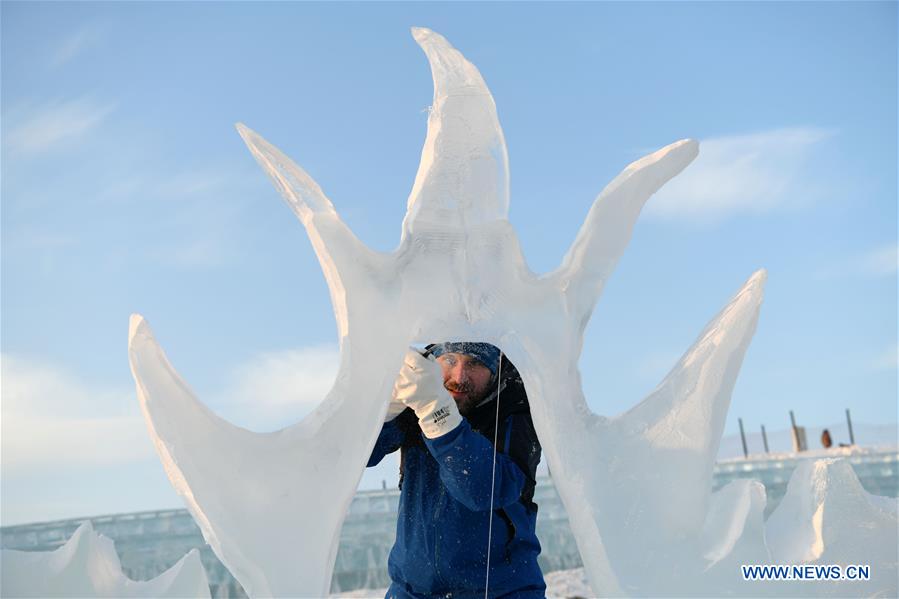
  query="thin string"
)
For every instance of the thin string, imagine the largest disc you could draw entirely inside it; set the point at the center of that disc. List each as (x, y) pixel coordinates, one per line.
(499, 378)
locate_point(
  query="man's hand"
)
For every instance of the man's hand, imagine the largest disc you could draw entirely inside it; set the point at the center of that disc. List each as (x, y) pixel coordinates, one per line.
(420, 386)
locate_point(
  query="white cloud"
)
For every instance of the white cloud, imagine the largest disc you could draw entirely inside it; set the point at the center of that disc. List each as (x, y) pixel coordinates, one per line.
(888, 359)
(741, 174)
(38, 129)
(33, 238)
(194, 183)
(207, 251)
(655, 365)
(73, 44)
(52, 419)
(276, 389)
(880, 261)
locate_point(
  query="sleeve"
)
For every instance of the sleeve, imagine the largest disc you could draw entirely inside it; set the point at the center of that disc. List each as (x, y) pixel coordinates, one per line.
(465, 460)
(389, 440)
(521, 443)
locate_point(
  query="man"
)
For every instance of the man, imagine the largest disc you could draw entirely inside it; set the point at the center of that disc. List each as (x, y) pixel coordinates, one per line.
(443, 418)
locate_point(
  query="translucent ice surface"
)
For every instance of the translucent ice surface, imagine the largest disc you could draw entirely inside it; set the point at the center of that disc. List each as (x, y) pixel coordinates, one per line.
(636, 487)
(88, 566)
(826, 517)
(732, 535)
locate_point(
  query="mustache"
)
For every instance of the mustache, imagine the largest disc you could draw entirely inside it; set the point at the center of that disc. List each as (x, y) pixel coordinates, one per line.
(457, 387)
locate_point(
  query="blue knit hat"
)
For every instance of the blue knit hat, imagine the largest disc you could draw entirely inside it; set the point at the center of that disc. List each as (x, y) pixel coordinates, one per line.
(486, 354)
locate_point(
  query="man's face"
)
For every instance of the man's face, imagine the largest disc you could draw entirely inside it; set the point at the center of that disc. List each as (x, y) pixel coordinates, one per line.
(467, 380)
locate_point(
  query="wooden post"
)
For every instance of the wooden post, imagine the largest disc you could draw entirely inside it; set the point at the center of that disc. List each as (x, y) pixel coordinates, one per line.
(799, 441)
(794, 433)
(765, 438)
(849, 422)
(743, 438)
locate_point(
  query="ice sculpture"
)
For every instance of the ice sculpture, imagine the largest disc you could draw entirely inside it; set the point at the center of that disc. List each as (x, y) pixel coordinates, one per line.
(733, 534)
(636, 487)
(826, 517)
(87, 565)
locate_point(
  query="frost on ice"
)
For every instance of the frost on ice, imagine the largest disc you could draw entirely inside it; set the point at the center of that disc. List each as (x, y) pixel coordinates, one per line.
(88, 566)
(636, 487)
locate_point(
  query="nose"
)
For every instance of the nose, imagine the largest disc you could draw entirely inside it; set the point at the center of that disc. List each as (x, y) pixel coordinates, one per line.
(457, 373)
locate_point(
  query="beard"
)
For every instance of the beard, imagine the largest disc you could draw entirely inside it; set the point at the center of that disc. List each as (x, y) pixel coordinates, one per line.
(472, 398)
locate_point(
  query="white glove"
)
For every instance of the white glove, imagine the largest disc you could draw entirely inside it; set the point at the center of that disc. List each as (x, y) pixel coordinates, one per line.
(420, 386)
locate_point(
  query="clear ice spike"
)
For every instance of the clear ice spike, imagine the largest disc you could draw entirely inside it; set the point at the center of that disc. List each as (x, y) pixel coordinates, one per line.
(463, 174)
(609, 224)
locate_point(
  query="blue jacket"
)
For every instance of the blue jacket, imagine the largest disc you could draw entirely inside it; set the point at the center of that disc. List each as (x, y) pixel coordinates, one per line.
(444, 510)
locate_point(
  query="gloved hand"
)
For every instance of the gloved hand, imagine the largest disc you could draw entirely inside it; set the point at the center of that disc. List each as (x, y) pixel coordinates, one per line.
(420, 386)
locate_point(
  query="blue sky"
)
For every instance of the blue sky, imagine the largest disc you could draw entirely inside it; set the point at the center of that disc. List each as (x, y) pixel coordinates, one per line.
(125, 188)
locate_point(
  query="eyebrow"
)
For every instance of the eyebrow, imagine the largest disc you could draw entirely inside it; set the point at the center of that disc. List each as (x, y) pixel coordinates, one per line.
(469, 359)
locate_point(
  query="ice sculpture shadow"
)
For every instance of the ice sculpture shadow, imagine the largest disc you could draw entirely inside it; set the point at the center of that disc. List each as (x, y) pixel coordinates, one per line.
(636, 487)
